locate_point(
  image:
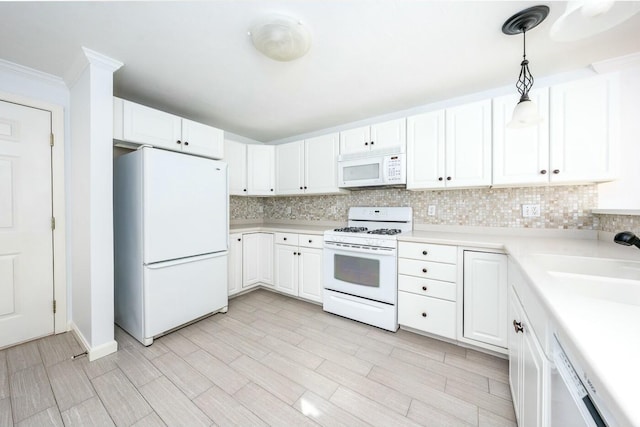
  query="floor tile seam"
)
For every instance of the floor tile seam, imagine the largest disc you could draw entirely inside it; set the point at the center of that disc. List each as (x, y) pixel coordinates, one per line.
(475, 388)
(469, 400)
(138, 386)
(196, 370)
(266, 391)
(444, 411)
(15, 420)
(115, 366)
(93, 389)
(375, 402)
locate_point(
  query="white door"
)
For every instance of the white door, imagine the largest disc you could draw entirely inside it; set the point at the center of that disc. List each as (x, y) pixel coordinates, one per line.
(468, 145)
(261, 160)
(235, 154)
(202, 140)
(321, 164)
(185, 205)
(355, 140)
(26, 252)
(425, 150)
(286, 269)
(310, 283)
(289, 162)
(389, 134)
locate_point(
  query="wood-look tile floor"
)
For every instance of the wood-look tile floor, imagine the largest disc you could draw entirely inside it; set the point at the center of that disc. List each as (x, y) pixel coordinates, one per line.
(271, 360)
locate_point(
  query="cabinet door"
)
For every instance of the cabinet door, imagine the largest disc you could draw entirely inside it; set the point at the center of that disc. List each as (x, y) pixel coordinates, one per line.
(425, 150)
(520, 156)
(355, 140)
(202, 140)
(235, 263)
(235, 154)
(468, 145)
(265, 258)
(389, 134)
(286, 269)
(485, 298)
(321, 164)
(515, 352)
(310, 284)
(533, 380)
(289, 163)
(585, 130)
(260, 170)
(145, 125)
(250, 259)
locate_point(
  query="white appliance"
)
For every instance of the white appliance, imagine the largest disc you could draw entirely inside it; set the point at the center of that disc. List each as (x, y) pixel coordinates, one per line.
(574, 399)
(360, 265)
(372, 168)
(171, 226)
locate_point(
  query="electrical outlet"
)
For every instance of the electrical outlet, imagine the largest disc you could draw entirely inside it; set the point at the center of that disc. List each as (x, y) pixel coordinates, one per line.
(530, 211)
(431, 210)
(288, 210)
(260, 209)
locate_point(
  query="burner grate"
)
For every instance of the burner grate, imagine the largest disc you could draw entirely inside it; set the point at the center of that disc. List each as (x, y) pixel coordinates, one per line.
(351, 229)
(386, 231)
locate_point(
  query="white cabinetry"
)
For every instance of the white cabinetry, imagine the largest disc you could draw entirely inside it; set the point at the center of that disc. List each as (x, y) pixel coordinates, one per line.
(585, 130)
(485, 299)
(257, 259)
(137, 124)
(260, 170)
(235, 263)
(298, 265)
(308, 167)
(235, 154)
(520, 156)
(375, 137)
(427, 288)
(450, 148)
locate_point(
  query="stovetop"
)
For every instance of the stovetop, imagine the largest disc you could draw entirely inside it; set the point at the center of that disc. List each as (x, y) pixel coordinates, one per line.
(361, 230)
(373, 226)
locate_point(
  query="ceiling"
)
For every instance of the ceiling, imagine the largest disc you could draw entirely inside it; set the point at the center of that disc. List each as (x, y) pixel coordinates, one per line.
(367, 58)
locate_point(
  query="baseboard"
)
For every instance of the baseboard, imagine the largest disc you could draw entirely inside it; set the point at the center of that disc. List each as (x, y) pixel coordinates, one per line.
(97, 352)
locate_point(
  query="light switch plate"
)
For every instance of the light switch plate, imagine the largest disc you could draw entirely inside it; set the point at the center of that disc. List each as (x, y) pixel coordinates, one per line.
(431, 210)
(530, 211)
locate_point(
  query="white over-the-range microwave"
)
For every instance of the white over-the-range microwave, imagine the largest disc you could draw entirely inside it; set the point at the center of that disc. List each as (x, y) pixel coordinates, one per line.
(372, 168)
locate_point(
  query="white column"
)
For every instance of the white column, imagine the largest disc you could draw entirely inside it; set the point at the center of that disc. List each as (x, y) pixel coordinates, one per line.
(90, 81)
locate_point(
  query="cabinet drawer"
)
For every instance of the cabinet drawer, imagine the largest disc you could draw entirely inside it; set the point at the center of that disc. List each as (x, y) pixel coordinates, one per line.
(428, 252)
(287, 239)
(427, 270)
(310, 241)
(427, 314)
(427, 287)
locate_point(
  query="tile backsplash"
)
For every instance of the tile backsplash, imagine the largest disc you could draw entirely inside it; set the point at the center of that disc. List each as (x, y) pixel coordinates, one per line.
(618, 223)
(562, 207)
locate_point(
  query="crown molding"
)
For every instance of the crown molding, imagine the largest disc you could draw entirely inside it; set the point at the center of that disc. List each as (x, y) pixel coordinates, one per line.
(39, 75)
(616, 64)
(89, 57)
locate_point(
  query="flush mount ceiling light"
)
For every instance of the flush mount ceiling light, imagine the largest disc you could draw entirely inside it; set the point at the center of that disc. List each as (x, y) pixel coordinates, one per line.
(583, 19)
(281, 38)
(526, 113)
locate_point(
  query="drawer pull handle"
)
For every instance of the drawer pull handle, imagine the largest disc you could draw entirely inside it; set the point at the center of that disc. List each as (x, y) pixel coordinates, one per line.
(424, 252)
(284, 238)
(518, 326)
(310, 241)
(424, 288)
(424, 270)
(424, 314)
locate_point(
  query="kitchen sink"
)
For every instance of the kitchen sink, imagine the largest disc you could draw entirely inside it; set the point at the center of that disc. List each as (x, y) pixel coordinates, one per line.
(608, 279)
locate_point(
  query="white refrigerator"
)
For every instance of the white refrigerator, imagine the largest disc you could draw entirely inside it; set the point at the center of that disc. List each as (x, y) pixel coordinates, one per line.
(171, 231)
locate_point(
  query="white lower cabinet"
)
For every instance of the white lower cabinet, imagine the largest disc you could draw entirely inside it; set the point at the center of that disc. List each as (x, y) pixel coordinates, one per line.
(485, 299)
(257, 259)
(298, 265)
(234, 277)
(427, 288)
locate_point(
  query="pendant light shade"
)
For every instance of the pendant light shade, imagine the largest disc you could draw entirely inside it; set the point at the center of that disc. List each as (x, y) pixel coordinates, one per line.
(281, 38)
(526, 112)
(583, 19)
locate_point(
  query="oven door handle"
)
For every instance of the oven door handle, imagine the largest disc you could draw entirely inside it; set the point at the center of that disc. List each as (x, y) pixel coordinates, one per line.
(359, 249)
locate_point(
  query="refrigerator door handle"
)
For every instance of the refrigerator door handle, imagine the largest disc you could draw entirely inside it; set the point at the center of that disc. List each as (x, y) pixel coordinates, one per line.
(179, 261)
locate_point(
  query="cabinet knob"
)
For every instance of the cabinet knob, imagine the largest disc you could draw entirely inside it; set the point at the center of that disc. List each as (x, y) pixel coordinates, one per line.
(272, 189)
(239, 240)
(424, 314)
(244, 190)
(543, 171)
(366, 143)
(371, 142)
(186, 143)
(424, 270)
(295, 253)
(178, 142)
(424, 288)
(518, 326)
(440, 178)
(284, 238)
(305, 187)
(424, 252)
(556, 171)
(301, 188)
(310, 241)
(448, 178)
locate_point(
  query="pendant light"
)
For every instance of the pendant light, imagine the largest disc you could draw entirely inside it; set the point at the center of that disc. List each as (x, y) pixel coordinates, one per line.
(526, 112)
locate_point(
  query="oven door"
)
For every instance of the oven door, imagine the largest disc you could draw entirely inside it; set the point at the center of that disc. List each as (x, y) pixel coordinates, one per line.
(365, 273)
(361, 173)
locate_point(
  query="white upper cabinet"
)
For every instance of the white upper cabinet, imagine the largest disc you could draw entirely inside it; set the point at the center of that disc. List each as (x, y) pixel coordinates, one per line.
(520, 156)
(235, 154)
(450, 148)
(425, 150)
(260, 170)
(585, 130)
(468, 145)
(375, 137)
(143, 125)
(308, 167)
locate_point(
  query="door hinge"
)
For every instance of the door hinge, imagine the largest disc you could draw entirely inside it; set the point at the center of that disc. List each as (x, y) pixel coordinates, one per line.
(53, 222)
(55, 307)
(52, 141)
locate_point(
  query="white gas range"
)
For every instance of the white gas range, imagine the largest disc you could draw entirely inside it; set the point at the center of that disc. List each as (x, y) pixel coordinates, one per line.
(360, 265)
